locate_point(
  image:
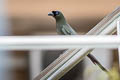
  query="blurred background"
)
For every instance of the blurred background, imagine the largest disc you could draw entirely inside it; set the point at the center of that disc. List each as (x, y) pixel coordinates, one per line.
(29, 17)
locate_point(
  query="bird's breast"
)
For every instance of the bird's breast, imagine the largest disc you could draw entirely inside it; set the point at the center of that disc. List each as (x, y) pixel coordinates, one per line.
(59, 29)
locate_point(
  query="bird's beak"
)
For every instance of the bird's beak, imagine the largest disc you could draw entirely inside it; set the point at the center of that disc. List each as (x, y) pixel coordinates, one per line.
(50, 14)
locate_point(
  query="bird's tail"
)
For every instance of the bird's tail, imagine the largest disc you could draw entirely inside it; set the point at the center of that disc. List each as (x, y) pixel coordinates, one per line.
(96, 62)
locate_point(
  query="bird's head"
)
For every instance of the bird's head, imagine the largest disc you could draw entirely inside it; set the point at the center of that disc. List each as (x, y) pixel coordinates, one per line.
(56, 14)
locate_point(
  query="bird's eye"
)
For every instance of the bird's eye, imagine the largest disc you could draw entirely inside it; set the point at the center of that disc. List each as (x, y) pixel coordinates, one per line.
(57, 13)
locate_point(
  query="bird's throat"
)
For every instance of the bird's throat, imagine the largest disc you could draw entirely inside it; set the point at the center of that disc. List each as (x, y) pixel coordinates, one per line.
(61, 21)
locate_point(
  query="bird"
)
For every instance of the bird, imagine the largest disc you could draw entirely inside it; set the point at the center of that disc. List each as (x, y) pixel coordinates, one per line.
(63, 28)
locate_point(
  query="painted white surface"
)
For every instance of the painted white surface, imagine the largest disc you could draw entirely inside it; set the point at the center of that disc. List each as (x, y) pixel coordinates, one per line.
(58, 42)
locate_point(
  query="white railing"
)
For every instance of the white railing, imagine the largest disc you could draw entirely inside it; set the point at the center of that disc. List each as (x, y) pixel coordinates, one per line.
(58, 42)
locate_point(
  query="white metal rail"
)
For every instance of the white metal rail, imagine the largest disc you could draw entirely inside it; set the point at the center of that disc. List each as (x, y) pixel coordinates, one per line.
(58, 42)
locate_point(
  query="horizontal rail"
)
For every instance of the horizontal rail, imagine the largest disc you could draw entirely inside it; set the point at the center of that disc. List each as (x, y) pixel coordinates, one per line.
(58, 42)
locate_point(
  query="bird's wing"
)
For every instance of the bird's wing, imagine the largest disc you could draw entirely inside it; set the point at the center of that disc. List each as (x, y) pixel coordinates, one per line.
(69, 29)
(66, 31)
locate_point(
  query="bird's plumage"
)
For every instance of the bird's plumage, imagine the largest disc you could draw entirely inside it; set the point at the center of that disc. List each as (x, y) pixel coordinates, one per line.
(63, 28)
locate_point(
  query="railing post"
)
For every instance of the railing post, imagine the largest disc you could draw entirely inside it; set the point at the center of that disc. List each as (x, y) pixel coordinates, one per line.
(118, 33)
(5, 66)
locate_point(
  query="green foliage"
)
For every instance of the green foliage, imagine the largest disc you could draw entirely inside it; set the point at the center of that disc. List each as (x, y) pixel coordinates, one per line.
(114, 74)
(96, 73)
